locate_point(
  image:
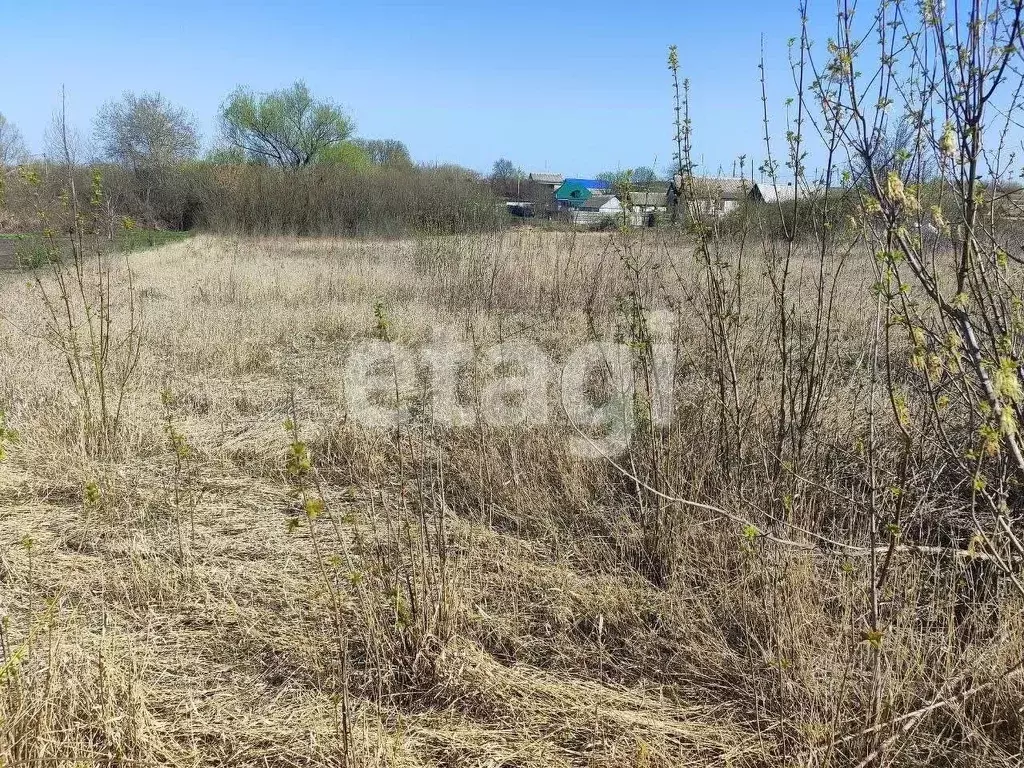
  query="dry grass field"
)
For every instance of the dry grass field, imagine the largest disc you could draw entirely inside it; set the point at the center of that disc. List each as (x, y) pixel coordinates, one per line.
(474, 596)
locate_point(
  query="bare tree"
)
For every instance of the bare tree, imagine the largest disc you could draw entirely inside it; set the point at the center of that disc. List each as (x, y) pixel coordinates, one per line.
(644, 176)
(145, 131)
(504, 169)
(12, 146)
(62, 141)
(148, 136)
(387, 152)
(507, 179)
(900, 148)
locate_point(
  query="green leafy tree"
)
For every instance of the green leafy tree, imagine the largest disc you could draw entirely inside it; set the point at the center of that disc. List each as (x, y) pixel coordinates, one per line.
(618, 180)
(145, 131)
(348, 154)
(286, 128)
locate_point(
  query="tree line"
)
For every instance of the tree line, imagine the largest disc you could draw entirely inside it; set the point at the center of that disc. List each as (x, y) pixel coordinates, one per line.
(286, 143)
(286, 128)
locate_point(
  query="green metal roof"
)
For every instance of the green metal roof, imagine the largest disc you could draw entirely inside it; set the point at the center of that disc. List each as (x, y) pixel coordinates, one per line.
(573, 192)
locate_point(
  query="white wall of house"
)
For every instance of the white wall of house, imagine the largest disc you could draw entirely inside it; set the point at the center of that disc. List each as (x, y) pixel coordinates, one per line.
(717, 207)
(588, 217)
(592, 216)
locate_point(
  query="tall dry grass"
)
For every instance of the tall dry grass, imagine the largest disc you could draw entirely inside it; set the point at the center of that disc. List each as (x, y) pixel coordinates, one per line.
(231, 592)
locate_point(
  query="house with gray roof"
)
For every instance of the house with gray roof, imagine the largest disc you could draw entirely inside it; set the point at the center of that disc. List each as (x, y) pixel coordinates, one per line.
(550, 180)
(648, 201)
(719, 195)
(781, 193)
(602, 204)
(645, 206)
(595, 208)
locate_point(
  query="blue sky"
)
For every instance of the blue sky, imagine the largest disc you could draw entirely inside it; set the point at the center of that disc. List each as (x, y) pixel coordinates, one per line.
(574, 87)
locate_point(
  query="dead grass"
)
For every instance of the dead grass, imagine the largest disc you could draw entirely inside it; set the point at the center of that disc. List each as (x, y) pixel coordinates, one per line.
(494, 601)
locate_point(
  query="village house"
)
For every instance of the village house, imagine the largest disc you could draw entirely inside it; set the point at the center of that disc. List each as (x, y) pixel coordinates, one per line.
(572, 194)
(551, 181)
(575, 192)
(718, 196)
(645, 203)
(649, 201)
(596, 208)
(591, 200)
(774, 193)
(594, 185)
(781, 193)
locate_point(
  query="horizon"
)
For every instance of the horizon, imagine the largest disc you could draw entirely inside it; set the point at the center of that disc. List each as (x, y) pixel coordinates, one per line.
(577, 96)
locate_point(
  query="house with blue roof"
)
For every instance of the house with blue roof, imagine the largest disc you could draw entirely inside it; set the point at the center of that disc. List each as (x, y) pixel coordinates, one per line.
(594, 185)
(575, 192)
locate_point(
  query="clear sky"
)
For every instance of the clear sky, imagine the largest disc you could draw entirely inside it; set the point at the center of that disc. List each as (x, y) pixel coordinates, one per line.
(574, 87)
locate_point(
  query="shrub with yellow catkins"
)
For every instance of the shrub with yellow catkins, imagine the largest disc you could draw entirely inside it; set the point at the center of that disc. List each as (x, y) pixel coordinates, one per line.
(899, 194)
(1007, 422)
(939, 219)
(947, 144)
(1006, 381)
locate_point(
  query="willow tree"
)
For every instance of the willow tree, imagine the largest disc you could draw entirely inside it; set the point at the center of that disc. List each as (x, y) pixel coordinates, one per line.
(287, 128)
